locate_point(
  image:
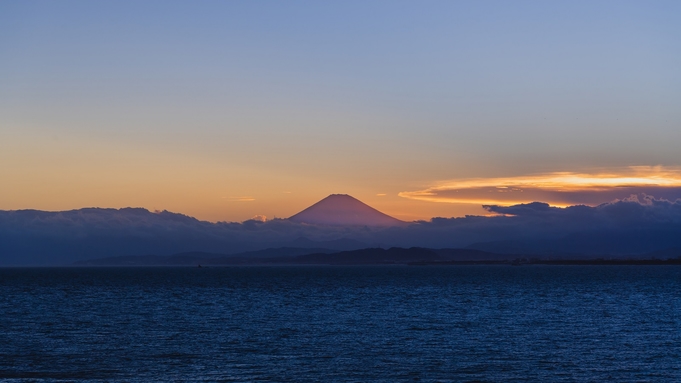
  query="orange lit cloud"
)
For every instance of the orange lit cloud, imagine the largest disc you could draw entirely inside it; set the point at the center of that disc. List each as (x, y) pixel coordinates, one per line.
(240, 199)
(558, 188)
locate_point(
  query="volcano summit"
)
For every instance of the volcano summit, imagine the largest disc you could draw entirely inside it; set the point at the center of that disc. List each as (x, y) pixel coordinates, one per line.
(342, 209)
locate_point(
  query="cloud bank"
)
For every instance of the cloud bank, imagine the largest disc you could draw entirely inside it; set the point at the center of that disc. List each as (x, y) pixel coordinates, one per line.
(634, 225)
(559, 189)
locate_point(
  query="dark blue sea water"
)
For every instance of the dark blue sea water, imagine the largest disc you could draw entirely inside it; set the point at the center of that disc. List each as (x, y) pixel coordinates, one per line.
(386, 324)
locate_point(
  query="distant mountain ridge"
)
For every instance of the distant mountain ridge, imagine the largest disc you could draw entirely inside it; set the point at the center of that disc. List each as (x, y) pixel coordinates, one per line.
(342, 209)
(375, 256)
(288, 255)
(197, 258)
(621, 228)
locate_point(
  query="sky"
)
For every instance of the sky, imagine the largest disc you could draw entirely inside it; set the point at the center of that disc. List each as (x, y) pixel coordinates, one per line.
(228, 110)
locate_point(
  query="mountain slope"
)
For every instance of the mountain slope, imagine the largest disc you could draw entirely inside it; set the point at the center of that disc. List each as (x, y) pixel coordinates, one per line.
(342, 209)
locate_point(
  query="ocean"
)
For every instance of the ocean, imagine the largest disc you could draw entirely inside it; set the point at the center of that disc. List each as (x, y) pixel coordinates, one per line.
(346, 324)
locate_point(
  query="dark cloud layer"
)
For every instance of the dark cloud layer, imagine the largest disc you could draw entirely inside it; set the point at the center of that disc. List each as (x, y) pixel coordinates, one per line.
(635, 225)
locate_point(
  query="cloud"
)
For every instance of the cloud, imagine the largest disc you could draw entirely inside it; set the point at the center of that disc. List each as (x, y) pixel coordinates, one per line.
(630, 225)
(259, 218)
(558, 188)
(240, 199)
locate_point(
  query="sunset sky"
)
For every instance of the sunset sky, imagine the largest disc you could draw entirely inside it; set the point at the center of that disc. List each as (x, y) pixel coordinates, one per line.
(225, 110)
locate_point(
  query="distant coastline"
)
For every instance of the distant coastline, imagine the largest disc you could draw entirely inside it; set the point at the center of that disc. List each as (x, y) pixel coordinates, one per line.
(559, 262)
(415, 256)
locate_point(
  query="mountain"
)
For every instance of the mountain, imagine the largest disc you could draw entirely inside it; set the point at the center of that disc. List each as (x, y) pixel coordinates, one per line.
(626, 228)
(342, 209)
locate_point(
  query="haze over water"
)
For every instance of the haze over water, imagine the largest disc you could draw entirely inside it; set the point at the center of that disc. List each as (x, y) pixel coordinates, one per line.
(385, 324)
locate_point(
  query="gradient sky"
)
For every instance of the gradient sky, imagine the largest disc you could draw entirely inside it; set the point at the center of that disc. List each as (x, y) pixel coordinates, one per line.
(227, 110)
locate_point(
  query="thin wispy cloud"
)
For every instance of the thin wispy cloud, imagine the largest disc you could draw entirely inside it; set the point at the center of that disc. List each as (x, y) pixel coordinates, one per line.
(557, 188)
(239, 199)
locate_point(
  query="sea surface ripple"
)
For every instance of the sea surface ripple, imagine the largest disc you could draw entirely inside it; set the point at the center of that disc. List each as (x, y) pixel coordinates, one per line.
(357, 324)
